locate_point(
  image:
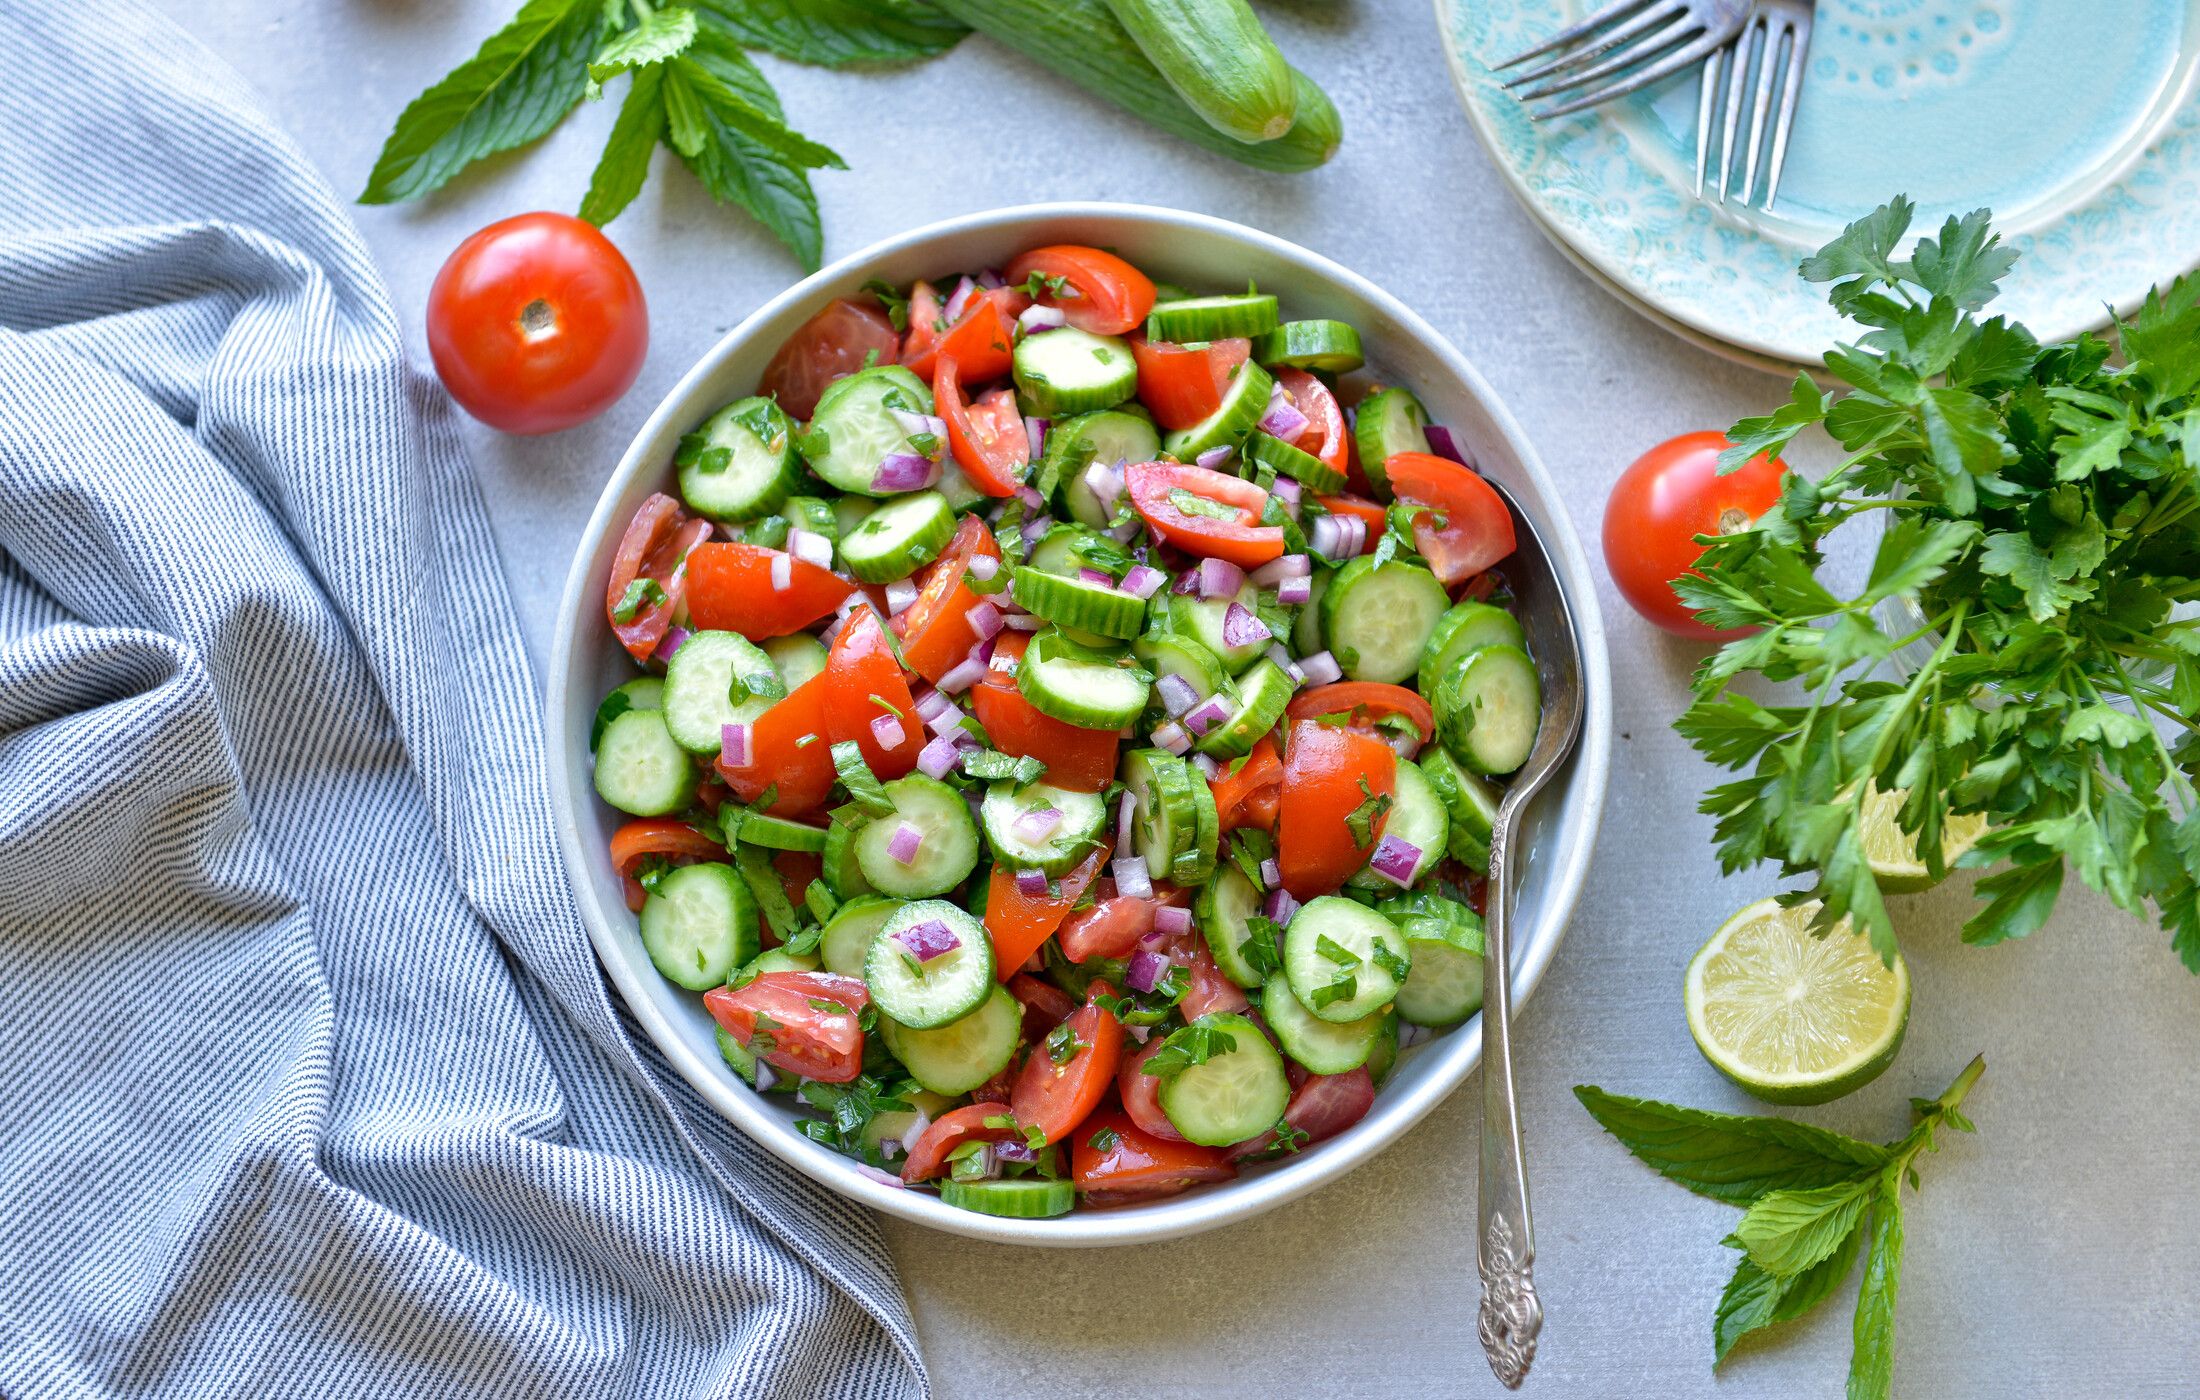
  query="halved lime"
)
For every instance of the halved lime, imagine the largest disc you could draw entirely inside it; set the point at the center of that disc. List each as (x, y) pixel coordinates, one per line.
(1790, 1017)
(1892, 852)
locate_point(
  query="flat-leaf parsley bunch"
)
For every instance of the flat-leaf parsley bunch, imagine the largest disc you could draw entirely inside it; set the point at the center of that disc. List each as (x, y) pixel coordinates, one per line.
(2041, 506)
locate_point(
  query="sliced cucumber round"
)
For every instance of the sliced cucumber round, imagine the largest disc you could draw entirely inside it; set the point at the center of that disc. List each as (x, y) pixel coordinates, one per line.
(1286, 460)
(843, 874)
(922, 994)
(1384, 1057)
(1377, 619)
(1306, 633)
(1224, 911)
(741, 463)
(1066, 371)
(844, 944)
(1202, 620)
(1014, 1198)
(1088, 606)
(713, 680)
(966, 1052)
(1470, 802)
(699, 925)
(1079, 685)
(1237, 1094)
(1329, 346)
(1417, 816)
(641, 769)
(1197, 319)
(743, 1063)
(1324, 1047)
(1194, 866)
(1264, 693)
(1109, 437)
(1487, 709)
(1012, 817)
(798, 656)
(1445, 985)
(1466, 626)
(1169, 654)
(1243, 403)
(855, 428)
(780, 834)
(641, 693)
(899, 538)
(1164, 811)
(1343, 959)
(1388, 422)
(946, 840)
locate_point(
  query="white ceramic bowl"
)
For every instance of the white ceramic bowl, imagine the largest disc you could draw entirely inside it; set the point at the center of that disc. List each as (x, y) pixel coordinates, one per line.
(1196, 251)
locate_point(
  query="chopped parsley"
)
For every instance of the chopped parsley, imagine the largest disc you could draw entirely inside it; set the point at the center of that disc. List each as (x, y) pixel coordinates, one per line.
(1346, 987)
(1062, 1044)
(1104, 1141)
(641, 593)
(1363, 818)
(1186, 1047)
(1336, 952)
(864, 788)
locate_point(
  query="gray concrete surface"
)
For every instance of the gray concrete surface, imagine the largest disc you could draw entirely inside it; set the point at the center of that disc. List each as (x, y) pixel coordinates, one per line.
(2054, 1255)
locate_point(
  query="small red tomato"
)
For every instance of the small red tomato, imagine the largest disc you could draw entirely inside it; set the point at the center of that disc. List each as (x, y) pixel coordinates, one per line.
(1670, 495)
(536, 323)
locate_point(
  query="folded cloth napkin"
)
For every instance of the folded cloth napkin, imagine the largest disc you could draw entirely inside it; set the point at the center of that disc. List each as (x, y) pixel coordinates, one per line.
(309, 1083)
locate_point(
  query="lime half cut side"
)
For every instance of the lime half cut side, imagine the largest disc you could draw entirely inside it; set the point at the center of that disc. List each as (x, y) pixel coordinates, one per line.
(1790, 1017)
(1892, 852)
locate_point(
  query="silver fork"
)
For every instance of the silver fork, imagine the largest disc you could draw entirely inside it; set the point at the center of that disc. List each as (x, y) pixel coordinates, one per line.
(1511, 1316)
(1663, 36)
(1774, 41)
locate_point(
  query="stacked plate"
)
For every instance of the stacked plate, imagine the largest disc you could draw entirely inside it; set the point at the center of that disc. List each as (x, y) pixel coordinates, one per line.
(2078, 125)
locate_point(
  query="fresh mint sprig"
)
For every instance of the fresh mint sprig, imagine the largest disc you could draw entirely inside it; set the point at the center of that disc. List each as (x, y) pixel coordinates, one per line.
(1814, 1201)
(2042, 508)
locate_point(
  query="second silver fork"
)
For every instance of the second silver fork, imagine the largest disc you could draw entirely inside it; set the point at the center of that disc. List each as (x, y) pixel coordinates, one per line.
(1773, 45)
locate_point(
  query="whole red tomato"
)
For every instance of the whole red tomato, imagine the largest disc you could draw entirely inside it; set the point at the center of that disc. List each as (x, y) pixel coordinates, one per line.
(536, 323)
(1670, 495)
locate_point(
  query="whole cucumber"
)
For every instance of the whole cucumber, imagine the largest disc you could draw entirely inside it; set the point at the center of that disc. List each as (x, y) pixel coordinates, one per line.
(1219, 60)
(1081, 41)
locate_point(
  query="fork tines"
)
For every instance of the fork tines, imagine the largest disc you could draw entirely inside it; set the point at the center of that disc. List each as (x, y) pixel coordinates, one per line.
(1770, 49)
(1631, 43)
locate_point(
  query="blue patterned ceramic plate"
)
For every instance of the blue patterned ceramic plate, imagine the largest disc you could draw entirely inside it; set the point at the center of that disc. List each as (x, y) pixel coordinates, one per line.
(2076, 121)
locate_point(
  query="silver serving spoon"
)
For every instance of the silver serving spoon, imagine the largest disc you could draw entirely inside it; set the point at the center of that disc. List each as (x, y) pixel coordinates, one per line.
(1511, 1315)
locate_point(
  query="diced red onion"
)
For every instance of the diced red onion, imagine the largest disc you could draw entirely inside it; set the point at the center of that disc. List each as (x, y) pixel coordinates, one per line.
(1037, 319)
(1293, 592)
(1187, 583)
(916, 1130)
(733, 745)
(1138, 1033)
(1240, 628)
(1132, 878)
(1038, 825)
(1035, 529)
(1412, 1035)
(916, 424)
(984, 619)
(1125, 532)
(983, 567)
(1145, 971)
(1171, 736)
(947, 721)
(674, 639)
(930, 939)
(1123, 827)
(904, 471)
(1014, 1152)
(907, 840)
(1280, 906)
(782, 572)
(1443, 444)
(1406, 744)
(1208, 768)
(833, 630)
(1283, 419)
(1143, 581)
(1035, 434)
(1206, 715)
(1276, 571)
(929, 702)
(1177, 693)
(986, 1161)
(1219, 578)
(1395, 859)
(766, 1076)
(1338, 536)
(1283, 660)
(959, 301)
(937, 759)
(1214, 457)
(1172, 919)
(811, 548)
(1031, 498)
(889, 731)
(1288, 490)
(1023, 622)
(1320, 669)
(1101, 577)
(990, 279)
(965, 674)
(1031, 884)
(901, 594)
(1270, 874)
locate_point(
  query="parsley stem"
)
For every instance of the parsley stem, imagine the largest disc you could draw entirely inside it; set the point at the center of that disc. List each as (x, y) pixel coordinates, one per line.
(2169, 764)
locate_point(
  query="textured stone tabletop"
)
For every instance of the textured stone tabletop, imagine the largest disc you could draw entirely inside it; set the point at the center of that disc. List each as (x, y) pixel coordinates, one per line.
(2056, 1254)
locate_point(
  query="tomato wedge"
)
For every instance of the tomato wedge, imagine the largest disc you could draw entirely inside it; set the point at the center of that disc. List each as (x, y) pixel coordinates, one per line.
(1208, 990)
(803, 1022)
(788, 753)
(1112, 927)
(1130, 1165)
(935, 630)
(797, 870)
(661, 837)
(1055, 1098)
(931, 334)
(1182, 385)
(1045, 1005)
(1018, 923)
(1098, 291)
(660, 535)
(1478, 527)
(729, 589)
(1245, 794)
(921, 340)
(831, 345)
(987, 437)
(1082, 760)
(1141, 1093)
(864, 685)
(1322, 1106)
(1327, 774)
(928, 1158)
(1363, 702)
(1324, 435)
(1204, 512)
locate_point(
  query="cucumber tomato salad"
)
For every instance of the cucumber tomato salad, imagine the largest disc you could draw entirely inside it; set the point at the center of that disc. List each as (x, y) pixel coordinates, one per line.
(1068, 734)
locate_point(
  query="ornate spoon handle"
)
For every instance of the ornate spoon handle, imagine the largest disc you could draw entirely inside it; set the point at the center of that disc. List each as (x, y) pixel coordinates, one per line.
(1511, 1315)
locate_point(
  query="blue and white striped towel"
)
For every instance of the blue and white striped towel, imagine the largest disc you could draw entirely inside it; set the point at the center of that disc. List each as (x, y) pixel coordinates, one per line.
(309, 1084)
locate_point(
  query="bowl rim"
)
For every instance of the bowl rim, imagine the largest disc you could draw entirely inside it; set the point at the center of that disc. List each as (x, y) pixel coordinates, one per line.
(1457, 1052)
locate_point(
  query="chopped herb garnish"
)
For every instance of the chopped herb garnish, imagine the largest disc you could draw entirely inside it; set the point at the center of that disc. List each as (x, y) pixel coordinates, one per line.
(1344, 988)
(1104, 1141)
(1062, 1044)
(1386, 958)
(1336, 952)
(1363, 818)
(1187, 1046)
(641, 593)
(897, 305)
(864, 788)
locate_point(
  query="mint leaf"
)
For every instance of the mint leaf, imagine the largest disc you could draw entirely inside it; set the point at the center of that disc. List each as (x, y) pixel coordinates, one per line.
(520, 83)
(624, 165)
(1785, 1232)
(1871, 1363)
(725, 122)
(1755, 1299)
(1728, 1157)
(833, 33)
(660, 35)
